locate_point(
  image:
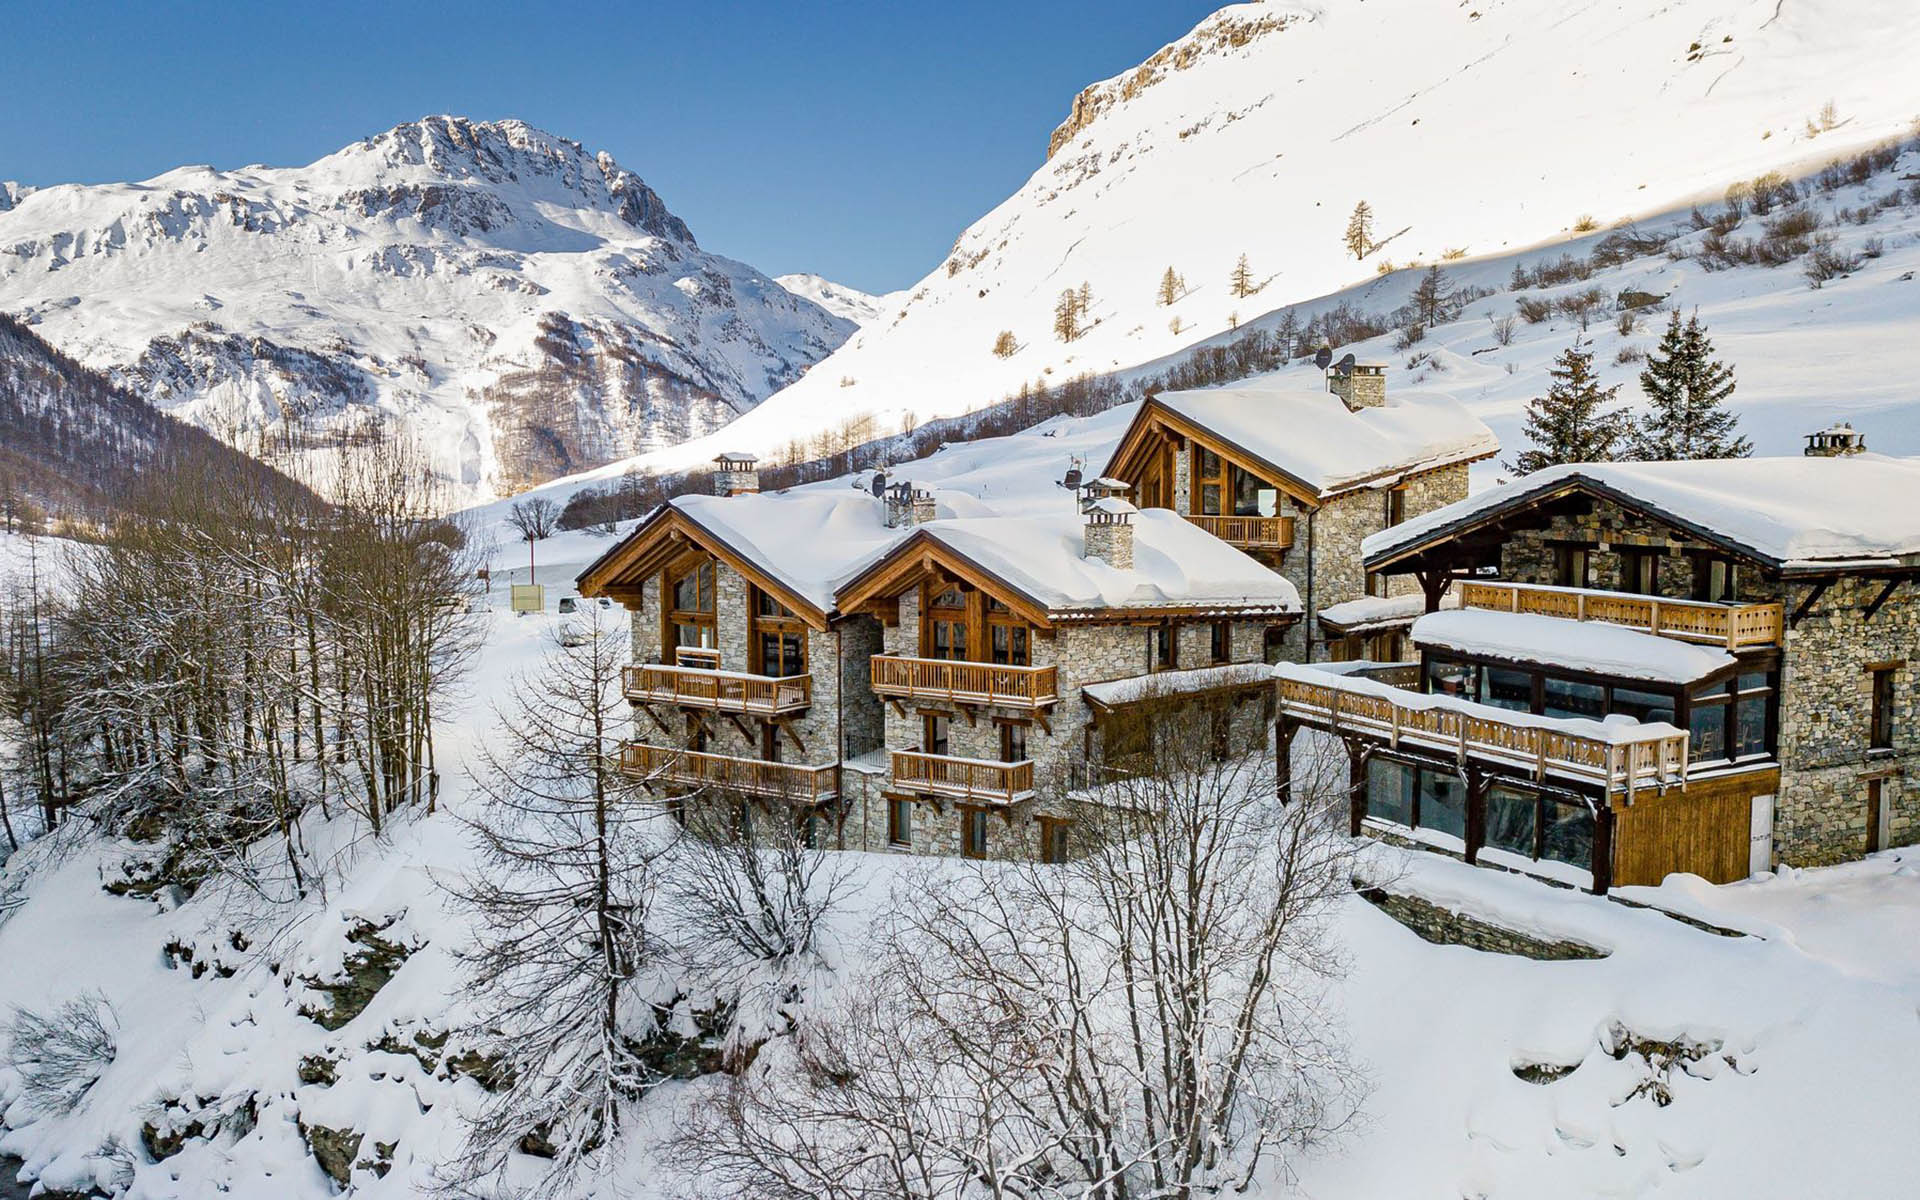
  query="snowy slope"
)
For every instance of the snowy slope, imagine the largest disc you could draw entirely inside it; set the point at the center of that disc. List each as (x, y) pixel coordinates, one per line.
(1480, 127)
(527, 307)
(862, 308)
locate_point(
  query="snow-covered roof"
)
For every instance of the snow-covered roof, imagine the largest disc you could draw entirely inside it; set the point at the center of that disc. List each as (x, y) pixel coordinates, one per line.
(1111, 693)
(1112, 507)
(1313, 437)
(808, 541)
(1617, 730)
(1175, 564)
(1376, 612)
(1592, 646)
(1794, 513)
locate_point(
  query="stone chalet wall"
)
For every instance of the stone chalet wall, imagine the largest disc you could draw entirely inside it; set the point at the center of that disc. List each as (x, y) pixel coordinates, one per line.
(1820, 813)
(1446, 927)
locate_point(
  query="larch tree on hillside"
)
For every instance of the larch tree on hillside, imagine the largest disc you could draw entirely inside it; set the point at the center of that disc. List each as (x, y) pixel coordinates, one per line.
(1573, 421)
(1687, 389)
(1433, 297)
(1066, 316)
(1005, 345)
(1172, 287)
(1359, 237)
(1241, 280)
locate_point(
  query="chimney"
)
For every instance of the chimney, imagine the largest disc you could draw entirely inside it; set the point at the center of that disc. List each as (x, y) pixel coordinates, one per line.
(734, 475)
(1105, 487)
(1110, 532)
(908, 505)
(1359, 384)
(1835, 441)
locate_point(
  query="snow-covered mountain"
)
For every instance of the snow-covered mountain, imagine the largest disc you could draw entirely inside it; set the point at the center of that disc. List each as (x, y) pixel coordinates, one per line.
(860, 307)
(527, 307)
(1470, 127)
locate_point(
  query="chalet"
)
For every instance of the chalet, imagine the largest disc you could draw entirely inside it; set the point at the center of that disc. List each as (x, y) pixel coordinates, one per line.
(1297, 476)
(907, 677)
(1703, 666)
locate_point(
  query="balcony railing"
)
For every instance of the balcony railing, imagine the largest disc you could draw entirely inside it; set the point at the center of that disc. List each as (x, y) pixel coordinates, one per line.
(720, 691)
(962, 778)
(695, 768)
(1735, 626)
(1255, 533)
(1538, 746)
(963, 682)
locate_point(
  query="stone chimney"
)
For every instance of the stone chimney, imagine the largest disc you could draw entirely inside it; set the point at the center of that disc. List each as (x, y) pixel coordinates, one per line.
(908, 505)
(735, 475)
(1835, 441)
(1103, 488)
(1110, 532)
(1359, 384)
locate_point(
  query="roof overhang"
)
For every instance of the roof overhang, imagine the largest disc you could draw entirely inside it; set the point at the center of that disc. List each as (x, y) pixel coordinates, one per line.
(922, 556)
(1138, 441)
(668, 534)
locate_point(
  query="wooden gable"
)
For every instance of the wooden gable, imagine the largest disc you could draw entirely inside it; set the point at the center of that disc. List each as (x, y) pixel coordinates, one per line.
(670, 536)
(921, 559)
(1156, 430)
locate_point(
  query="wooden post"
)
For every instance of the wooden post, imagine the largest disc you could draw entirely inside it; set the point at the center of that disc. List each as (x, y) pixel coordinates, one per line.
(1283, 760)
(1603, 848)
(1357, 787)
(1476, 813)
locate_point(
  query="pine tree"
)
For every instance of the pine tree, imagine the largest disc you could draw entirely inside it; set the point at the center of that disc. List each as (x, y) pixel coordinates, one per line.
(1084, 301)
(1066, 316)
(1171, 286)
(1005, 345)
(1433, 298)
(1572, 422)
(1241, 281)
(1686, 388)
(1360, 230)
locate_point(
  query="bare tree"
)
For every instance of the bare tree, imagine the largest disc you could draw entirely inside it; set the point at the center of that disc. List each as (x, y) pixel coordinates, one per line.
(59, 1055)
(536, 519)
(561, 906)
(1140, 1022)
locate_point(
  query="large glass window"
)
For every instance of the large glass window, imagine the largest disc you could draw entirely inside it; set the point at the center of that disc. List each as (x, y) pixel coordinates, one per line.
(1390, 790)
(1504, 688)
(1449, 679)
(1511, 819)
(1566, 698)
(1569, 833)
(947, 624)
(690, 613)
(1708, 722)
(1570, 566)
(1443, 803)
(1209, 483)
(1643, 706)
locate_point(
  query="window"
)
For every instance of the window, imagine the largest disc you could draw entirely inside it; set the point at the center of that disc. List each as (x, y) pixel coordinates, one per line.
(1053, 839)
(1715, 579)
(947, 624)
(689, 616)
(1640, 572)
(1752, 713)
(1707, 723)
(1221, 643)
(1566, 698)
(1568, 836)
(1396, 506)
(1449, 679)
(973, 832)
(778, 643)
(1273, 643)
(1442, 803)
(900, 821)
(1880, 735)
(1390, 787)
(1163, 645)
(1512, 820)
(1504, 688)
(1013, 742)
(1570, 566)
(807, 829)
(935, 728)
(1009, 638)
(1642, 706)
(1209, 483)
(1251, 496)
(1376, 584)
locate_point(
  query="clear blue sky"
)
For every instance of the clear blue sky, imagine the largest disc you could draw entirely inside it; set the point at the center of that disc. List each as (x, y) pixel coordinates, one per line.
(851, 139)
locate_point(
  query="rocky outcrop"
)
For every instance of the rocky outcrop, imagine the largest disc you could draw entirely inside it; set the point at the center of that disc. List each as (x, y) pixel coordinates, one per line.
(362, 974)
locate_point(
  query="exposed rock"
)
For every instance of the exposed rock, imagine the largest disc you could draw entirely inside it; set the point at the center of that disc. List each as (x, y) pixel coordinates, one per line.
(362, 975)
(334, 1149)
(318, 1068)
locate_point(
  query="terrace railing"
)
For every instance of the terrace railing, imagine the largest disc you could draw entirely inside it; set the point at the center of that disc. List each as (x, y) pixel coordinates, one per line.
(696, 768)
(1260, 533)
(1734, 626)
(963, 682)
(720, 691)
(962, 778)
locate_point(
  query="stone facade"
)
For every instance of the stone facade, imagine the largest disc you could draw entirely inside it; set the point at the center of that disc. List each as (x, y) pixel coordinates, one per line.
(1821, 813)
(1446, 927)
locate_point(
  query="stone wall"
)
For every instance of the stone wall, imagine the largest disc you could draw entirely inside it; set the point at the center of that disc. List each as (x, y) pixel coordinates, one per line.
(1446, 927)
(1821, 813)
(1528, 556)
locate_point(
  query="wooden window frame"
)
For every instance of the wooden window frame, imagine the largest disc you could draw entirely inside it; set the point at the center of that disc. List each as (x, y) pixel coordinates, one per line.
(927, 719)
(1164, 634)
(1054, 832)
(973, 817)
(899, 830)
(672, 617)
(1635, 561)
(1881, 685)
(1006, 728)
(1396, 505)
(781, 622)
(1220, 642)
(1564, 555)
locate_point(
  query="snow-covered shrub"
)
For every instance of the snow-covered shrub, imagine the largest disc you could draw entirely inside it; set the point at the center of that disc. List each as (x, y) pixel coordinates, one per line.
(1534, 309)
(1826, 263)
(59, 1055)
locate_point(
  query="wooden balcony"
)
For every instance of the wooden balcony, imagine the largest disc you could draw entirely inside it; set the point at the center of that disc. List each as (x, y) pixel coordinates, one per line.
(718, 691)
(723, 772)
(1734, 626)
(1534, 746)
(963, 682)
(1250, 533)
(969, 779)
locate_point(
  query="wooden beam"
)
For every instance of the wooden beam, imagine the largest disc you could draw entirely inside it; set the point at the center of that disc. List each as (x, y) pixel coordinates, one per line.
(1806, 605)
(746, 735)
(1886, 593)
(787, 725)
(648, 709)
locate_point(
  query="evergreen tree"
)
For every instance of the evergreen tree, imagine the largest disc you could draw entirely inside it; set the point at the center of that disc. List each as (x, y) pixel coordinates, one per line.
(1686, 389)
(1005, 345)
(1171, 285)
(1572, 422)
(1359, 237)
(1084, 301)
(1433, 298)
(1066, 316)
(1241, 281)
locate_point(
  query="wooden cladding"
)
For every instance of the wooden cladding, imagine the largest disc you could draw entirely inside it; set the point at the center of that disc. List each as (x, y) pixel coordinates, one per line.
(1735, 626)
(719, 691)
(974, 779)
(750, 776)
(1260, 533)
(963, 682)
(1537, 750)
(1705, 830)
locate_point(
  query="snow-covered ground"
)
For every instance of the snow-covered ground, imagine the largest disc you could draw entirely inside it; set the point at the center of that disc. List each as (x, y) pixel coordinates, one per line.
(1807, 1088)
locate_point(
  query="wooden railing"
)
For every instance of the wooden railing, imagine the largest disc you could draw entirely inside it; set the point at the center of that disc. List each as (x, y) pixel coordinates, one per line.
(1735, 626)
(963, 682)
(694, 768)
(1655, 761)
(1262, 533)
(962, 778)
(721, 691)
